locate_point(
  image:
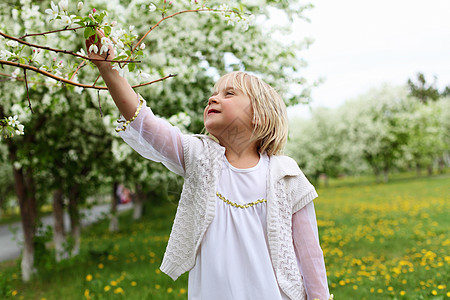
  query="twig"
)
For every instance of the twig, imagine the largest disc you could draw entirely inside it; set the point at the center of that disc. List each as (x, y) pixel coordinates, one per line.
(99, 104)
(78, 69)
(21, 79)
(61, 79)
(173, 15)
(26, 86)
(98, 77)
(151, 82)
(63, 51)
(53, 31)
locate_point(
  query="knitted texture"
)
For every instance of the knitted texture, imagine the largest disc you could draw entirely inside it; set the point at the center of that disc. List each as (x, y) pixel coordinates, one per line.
(288, 191)
(196, 208)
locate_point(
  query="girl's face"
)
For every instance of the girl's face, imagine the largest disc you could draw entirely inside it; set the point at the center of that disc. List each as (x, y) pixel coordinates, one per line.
(229, 114)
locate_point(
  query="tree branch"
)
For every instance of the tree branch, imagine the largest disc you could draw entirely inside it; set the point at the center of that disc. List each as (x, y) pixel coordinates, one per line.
(61, 79)
(26, 86)
(49, 32)
(62, 51)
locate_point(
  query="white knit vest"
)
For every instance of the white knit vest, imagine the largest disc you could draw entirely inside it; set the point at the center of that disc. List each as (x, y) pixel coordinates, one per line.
(288, 191)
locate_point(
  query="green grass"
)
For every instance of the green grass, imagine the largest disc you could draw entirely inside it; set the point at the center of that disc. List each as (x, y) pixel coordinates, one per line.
(381, 241)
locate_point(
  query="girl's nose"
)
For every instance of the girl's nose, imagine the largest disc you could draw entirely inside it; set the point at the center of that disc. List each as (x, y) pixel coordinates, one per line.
(212, 99)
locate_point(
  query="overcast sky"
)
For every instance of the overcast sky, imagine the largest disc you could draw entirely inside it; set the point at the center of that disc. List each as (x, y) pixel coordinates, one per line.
(361, 44)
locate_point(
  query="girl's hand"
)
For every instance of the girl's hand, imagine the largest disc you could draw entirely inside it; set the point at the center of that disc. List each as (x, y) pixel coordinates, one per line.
(100, 51)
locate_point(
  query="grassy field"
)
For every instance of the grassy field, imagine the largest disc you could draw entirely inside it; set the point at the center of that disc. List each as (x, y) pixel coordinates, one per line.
(381, 241)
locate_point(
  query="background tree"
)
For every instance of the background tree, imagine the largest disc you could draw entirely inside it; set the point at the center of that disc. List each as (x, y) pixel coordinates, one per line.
(422, 90)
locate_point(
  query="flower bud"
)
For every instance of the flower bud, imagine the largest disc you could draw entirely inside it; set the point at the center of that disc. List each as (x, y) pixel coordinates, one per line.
(142, 46)
(80, 5)
(94, 10)
(113, 23)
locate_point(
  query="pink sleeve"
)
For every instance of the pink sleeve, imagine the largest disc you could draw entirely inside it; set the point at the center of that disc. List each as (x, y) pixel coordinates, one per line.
(155, 139)
(309, 254)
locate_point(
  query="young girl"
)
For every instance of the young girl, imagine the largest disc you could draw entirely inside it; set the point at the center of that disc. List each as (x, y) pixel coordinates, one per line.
(245, 226)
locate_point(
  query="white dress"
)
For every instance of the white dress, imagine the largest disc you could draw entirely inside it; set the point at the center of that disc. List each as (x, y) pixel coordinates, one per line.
(233, 261)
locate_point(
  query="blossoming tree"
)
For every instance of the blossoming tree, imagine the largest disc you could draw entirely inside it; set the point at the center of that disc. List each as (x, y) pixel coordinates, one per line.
(53, 103)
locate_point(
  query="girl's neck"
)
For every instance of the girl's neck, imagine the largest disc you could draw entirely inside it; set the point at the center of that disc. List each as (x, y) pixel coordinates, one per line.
(244, 159)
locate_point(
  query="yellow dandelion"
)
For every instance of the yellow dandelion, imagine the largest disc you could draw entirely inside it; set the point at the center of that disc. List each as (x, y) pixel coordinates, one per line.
(133, 283)
(157, 286)
(433, 292)
(441, 286)
(119, 290)
(89, 277)
(169, 290)
(107, 288)
(390, 288)
(379, 291)
(355, 287)
(402, 293)
(158, 271)
(113, 283)
(448, 294)
(101, 266)
(86, 294)
(14, 293)
(182, 291)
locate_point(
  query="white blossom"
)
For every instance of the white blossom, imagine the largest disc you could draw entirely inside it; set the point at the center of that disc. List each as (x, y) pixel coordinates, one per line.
(93, 48)
(5, 54)
(81, 52)
(119, 69)
(142, 46)
(19, 130)
(64, 5)
(12, 121)
(15, 73)
(152, 7)
(12, 44)
(53, 12)
(142, 76)
(66, 20)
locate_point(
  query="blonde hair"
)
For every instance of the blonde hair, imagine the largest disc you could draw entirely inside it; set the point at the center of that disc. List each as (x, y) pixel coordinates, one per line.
(269, 110)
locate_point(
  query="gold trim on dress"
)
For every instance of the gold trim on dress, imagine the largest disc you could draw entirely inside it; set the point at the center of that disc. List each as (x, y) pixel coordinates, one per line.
(239, 205)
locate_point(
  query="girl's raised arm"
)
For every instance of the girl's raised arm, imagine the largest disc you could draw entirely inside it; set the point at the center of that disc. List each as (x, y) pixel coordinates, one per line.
(119, 88)
(152, 137)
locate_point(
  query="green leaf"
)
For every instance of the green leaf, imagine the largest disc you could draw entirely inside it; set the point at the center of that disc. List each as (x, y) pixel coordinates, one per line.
(88, 32)
(131, 67)
(107, 30)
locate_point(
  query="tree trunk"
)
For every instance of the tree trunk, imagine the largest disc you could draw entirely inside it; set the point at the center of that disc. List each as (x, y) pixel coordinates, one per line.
(430, 169)
(418, 169)
(25, 190)
(114, 221)
(74, 215)
(138, 203)
(377, 173)
(441, 164)
(385, 175)
(58, 227)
